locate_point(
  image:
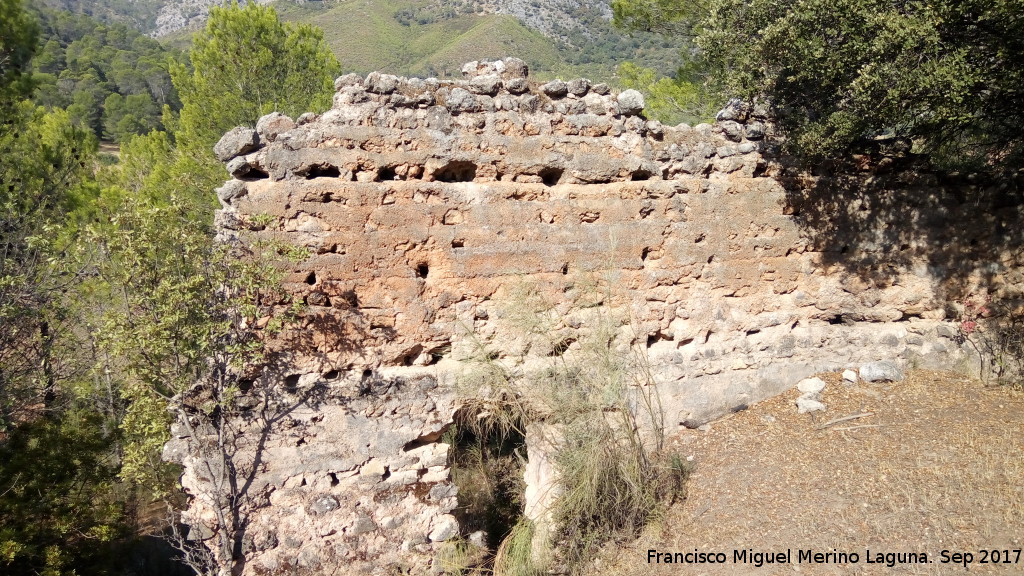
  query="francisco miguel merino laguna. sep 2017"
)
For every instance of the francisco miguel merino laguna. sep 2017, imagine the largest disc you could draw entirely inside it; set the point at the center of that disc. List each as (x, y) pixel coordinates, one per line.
(808, 556)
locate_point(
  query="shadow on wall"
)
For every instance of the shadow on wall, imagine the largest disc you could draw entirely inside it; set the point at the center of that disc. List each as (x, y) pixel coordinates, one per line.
(887, 214)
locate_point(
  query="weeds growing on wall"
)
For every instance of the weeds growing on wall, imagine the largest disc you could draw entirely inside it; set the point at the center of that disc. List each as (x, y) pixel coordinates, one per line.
(516, 555)
(589, 390)
(486, 466)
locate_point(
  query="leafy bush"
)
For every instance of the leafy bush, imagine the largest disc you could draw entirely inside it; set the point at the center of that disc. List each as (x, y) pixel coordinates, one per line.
(669, 100)
(944, 73)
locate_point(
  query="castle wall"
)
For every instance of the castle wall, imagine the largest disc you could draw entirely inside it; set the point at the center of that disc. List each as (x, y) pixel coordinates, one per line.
(426, 207)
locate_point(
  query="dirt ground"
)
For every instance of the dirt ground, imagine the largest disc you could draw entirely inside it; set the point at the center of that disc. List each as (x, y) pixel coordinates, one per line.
(935, 462)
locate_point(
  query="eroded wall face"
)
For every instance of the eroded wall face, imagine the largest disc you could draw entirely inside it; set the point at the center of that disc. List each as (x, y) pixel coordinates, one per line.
(427, 208)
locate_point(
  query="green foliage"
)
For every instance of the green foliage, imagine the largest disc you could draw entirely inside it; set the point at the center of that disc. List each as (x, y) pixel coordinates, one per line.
(59, 509)
(44, 193)
(124, 117)
(17, 44)
(245, 64)
(111, 78)
(669, 100)
(945, 73)
(178, 317)
(516, 556)
(115, 302)
(608, 440)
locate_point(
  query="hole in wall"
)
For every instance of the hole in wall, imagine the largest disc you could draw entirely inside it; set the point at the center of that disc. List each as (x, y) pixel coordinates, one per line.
(699, 239)
(409, 357)
(486, 460)
(458, 243)
(334, 479)
(255, 173)
(551, 176)
(386, 174)
(332, 375)
(645, 253)
(245, 385)
(427, 439)
(845, 249)
(711, 259)
(438, 353)
(640, 175)
(323, 171)
(457, 171)
(658, 336)
(311, 278)
(836, 320)
(422, 270)
(291, 383)
(565, 269)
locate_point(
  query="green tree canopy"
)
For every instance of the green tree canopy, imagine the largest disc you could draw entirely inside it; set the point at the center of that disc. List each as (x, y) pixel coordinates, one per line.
(245, 64)
(114, 298)
(670, 100)
(948, 74)
(17, 45)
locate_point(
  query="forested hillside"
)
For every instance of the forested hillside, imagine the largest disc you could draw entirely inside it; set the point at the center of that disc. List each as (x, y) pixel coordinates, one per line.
(111, 78)
(430, 37)
(425, 37)
(139, 14)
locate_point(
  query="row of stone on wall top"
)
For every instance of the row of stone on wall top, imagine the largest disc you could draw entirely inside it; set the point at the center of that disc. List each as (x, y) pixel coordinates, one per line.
(482, 79)
(489, 86)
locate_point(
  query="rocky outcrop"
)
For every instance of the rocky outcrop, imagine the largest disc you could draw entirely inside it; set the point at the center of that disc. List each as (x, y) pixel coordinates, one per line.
(425, 205)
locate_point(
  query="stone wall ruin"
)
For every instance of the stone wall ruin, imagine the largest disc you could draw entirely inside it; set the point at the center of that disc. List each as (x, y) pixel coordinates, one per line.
(425, 203)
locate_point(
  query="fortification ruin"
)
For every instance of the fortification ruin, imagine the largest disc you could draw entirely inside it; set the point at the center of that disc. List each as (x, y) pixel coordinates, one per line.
(425, 205)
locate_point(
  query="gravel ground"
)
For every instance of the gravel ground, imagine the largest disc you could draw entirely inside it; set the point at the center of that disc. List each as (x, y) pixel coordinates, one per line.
(933, 463)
